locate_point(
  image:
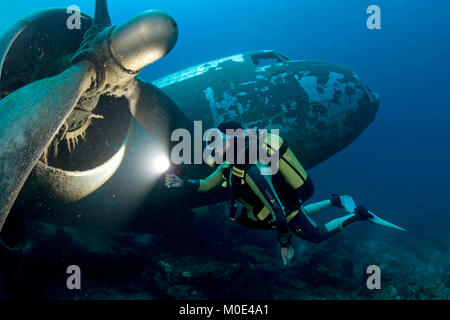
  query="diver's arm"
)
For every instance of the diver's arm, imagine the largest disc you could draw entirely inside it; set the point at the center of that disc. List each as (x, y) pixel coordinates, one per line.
(204, 185)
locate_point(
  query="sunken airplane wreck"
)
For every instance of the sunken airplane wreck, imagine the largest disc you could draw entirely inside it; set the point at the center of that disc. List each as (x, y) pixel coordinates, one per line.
(319, 107)
(70, 106)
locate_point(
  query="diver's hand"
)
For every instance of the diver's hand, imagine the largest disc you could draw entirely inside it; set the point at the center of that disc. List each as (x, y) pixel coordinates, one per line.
(173, 181)
(287, 253)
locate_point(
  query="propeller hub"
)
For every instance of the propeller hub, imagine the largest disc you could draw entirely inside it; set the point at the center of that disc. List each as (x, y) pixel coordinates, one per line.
(144, 39)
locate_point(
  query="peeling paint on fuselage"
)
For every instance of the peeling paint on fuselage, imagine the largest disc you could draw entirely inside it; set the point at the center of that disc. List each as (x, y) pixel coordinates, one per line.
(196, 71)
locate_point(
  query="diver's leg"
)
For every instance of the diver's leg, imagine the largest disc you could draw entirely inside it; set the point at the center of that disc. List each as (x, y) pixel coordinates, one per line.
(341, 202)
(317, 207)
(307, 229)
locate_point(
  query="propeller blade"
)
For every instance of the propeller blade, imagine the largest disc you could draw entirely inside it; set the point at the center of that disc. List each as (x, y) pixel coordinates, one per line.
(29, 119)
(377, 220)
(102, 17)
(156, 112)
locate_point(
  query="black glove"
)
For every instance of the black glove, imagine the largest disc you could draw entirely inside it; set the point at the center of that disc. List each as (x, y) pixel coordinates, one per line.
(336, 201)
(362, 213)
(284, 237)
(233, 210)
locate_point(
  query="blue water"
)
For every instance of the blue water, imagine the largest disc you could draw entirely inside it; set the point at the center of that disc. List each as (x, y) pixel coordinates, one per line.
(399, 166)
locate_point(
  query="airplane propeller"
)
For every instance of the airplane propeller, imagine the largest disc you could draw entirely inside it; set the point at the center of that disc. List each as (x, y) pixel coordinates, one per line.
(108, 62)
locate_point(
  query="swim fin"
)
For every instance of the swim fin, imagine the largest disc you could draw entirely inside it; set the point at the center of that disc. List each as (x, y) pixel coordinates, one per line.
(377, 220)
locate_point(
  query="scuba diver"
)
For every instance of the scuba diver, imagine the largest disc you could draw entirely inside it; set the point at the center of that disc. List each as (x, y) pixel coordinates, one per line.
(273, 201)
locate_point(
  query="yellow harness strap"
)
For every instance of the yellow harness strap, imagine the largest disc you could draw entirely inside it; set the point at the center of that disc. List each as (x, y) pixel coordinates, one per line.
(238, 172)
(292, 215)
(265, 212)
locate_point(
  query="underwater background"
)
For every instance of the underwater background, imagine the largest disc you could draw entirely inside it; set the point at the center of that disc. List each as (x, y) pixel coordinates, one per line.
(399, 167)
